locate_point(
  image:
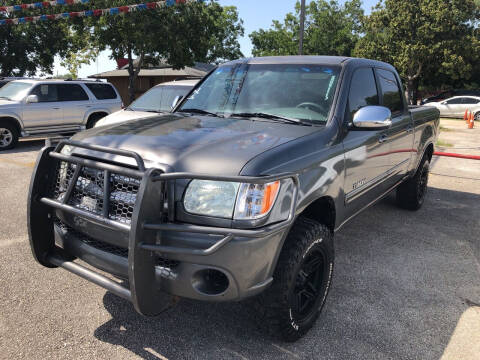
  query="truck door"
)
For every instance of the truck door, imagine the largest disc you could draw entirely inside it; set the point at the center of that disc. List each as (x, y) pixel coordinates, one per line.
(400, 134)
(366, 151)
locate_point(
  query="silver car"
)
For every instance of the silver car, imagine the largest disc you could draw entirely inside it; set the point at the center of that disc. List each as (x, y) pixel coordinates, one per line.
(159, 99)
(44, 107)
(456, 106)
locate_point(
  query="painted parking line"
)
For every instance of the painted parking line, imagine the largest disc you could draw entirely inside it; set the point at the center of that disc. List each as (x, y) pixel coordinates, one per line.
(19, 163)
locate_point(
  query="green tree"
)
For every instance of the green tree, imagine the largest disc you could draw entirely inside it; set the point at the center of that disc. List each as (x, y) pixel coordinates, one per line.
(180, 35)
(429, 41)
(330, 29)
(26, 49)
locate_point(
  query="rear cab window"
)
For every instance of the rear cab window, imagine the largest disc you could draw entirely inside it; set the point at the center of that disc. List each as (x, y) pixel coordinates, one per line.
(390, 90)
(102, 91)
(363, 91)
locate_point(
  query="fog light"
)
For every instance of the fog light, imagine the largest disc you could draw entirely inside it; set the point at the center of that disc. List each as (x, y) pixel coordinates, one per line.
(210, 282)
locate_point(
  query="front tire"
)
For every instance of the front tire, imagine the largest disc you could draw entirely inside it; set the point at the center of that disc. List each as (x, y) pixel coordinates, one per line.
(302, 278)
(411, 194)
(8, 136)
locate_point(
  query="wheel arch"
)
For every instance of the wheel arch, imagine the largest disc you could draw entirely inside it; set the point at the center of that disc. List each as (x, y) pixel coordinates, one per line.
(96, 114)
(323, 211)
(14, 121)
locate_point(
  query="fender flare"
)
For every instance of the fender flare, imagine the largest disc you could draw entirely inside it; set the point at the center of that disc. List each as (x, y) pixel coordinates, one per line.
(15, 119)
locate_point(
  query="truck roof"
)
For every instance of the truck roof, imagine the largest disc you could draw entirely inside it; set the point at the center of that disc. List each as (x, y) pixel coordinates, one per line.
(320, 60)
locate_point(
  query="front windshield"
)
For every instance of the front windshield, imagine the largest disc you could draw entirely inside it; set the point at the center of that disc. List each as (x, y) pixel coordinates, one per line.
(15, 90)
(159, 99)
(303, 92)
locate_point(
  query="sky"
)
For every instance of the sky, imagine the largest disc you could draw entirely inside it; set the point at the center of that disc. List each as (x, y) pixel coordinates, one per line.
(256, 14)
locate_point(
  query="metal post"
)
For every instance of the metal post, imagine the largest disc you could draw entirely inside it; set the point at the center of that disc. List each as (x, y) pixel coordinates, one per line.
(302, 27)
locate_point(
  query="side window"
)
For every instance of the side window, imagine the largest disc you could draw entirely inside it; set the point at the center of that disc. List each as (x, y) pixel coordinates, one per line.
(392, 97)
(45, 92)
(454, 101)
(363, 91)
(102, 91)
(470, 101)
(71, 92)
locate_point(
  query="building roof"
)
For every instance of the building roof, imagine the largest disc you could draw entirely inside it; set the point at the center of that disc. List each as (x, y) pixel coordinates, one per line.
(197, 71)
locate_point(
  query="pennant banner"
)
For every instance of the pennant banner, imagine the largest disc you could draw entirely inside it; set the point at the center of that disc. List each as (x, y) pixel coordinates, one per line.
(97, 12)
(40, 5)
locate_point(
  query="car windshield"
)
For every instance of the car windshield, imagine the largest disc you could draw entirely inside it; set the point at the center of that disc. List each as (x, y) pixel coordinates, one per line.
(301, 92)
(159, 99)
(15, 90)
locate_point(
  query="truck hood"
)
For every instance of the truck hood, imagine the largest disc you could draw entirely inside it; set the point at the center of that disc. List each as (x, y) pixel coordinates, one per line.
(199, 144)
(124, 115)
(8, 103)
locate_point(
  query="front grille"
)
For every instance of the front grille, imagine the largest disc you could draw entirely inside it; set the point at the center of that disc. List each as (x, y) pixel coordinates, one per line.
(70, 233)
(88, 192)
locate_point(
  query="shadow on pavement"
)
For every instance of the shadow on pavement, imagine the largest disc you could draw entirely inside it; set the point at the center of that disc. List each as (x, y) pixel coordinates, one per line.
(402, 282)
(26, 145)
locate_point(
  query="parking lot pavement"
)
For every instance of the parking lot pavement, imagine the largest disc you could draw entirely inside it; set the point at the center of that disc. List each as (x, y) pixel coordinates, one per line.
(406, 286)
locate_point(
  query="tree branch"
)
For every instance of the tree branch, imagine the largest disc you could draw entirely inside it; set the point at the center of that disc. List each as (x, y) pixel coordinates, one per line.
(419, 71)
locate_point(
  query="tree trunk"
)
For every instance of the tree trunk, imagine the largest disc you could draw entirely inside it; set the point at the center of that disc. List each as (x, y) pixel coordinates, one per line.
(131, 78)
(412, 86)
(133, 74)
(412, 91)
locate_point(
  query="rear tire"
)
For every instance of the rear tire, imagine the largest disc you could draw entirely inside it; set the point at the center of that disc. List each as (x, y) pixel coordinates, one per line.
(302, 278)
(411, 194)
(8, 135)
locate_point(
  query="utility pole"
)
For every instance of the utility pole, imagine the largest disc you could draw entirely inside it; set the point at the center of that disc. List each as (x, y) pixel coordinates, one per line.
(302, 27)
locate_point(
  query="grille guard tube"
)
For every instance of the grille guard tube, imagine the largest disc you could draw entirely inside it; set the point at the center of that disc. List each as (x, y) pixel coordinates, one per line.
(146, 222)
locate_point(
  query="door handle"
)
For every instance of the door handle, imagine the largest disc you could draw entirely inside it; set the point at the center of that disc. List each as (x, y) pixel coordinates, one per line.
(56, 108)
(383, 138)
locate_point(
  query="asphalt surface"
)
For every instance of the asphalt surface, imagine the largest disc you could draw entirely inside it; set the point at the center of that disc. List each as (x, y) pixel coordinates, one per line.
(402, 286)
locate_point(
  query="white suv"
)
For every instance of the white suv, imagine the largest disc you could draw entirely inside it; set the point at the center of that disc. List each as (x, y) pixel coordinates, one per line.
(44, 107)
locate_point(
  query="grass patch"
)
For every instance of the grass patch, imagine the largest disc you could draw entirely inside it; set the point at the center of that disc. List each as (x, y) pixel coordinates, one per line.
(443, 144)
(444, 129)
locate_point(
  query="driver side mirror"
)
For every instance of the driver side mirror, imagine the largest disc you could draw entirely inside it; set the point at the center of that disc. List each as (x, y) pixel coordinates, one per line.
(372, 117)
(31, 99)
(176, 101)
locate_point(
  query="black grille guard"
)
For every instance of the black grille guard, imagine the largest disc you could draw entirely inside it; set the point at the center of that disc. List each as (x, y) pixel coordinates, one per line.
(147, 220)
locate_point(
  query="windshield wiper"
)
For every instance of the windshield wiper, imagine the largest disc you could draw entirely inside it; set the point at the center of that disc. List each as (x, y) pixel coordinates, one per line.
(273, 117)
(200, 111)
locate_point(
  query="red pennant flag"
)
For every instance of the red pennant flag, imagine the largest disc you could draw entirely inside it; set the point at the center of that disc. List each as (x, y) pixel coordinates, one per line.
(69, 2)
(28, 18)
(97, 12)
(9, 21)
(51, 17)
(74, 14)
(124, 9)
(3, 8)
(151, 5)
(24, 6)
(46, 3)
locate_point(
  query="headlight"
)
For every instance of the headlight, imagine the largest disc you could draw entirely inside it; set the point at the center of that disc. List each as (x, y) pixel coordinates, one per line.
(230, 199)
(212, 198)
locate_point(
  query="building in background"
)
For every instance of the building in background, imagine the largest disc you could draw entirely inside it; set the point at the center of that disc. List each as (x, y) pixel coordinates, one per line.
(150, 76)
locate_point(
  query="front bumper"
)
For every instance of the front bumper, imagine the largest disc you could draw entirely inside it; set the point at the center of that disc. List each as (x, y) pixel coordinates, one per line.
(158, 258)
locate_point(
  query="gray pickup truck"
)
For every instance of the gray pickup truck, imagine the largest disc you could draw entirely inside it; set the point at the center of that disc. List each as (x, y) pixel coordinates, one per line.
(239, 191)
